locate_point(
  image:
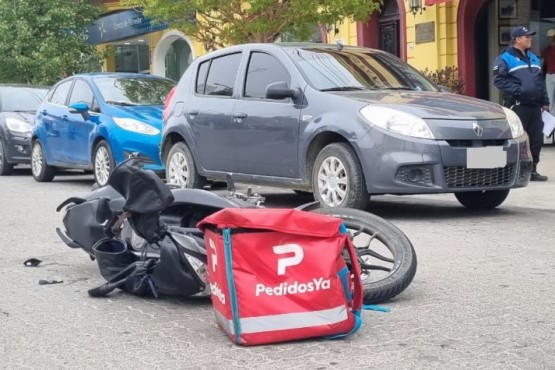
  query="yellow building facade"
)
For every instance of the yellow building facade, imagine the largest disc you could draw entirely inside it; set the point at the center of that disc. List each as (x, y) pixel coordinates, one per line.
(428, 34)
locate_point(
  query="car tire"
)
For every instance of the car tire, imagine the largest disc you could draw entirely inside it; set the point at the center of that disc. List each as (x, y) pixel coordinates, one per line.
(103, 163)
(337, 178)
(487, 199)
(181, 169)
(40, 170)
(5, 167)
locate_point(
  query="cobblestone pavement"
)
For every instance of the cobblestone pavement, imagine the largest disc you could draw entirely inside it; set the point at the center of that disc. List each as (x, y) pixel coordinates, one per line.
(482, 297)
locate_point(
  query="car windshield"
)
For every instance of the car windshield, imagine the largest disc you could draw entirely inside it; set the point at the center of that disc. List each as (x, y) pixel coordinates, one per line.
(20, 99)
(351, 70)
(130, 91)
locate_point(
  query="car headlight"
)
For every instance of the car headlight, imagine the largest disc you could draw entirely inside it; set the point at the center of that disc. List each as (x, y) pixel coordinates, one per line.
(514, 123)
(131, 124)
(397, 121)
(19, 126)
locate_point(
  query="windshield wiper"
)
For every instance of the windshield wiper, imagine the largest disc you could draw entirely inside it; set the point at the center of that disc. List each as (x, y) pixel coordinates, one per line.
(122, 103)
(344, 88)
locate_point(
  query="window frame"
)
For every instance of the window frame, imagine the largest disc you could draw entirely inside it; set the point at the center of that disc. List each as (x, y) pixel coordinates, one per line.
(70, 82)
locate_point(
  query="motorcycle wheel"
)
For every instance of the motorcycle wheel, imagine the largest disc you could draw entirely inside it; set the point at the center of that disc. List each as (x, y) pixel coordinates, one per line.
(386, 256)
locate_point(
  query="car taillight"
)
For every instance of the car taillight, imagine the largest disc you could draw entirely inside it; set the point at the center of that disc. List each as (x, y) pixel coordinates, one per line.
(166, 112)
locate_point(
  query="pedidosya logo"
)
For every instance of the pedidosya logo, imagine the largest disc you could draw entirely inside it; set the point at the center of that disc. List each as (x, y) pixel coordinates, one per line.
(214, 287)
(295, 287)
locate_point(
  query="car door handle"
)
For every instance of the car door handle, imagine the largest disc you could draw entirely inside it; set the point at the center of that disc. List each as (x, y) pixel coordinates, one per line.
(193, 112)
(240, 115)
(64, 118)
(44, 112)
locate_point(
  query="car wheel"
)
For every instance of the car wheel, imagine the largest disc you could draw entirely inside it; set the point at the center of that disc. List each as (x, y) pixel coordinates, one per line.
(103, 163)
(337, 178)
(5, 167)
(486, 199)
(41, 171)
(181, 169)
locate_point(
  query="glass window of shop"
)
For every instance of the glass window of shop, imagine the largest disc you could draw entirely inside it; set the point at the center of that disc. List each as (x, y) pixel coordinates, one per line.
(542, 19)
(178, 58)
(132, 57)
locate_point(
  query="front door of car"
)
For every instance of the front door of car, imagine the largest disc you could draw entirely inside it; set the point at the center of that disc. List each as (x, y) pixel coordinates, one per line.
(77, 131)
(53, 118)
(209, 112)
(266, 131)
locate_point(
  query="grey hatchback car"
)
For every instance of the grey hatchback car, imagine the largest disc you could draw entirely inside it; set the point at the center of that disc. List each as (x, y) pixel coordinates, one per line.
(341, 122)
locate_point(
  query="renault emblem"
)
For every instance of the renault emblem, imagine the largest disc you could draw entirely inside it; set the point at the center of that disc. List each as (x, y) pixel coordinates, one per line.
(477, 129)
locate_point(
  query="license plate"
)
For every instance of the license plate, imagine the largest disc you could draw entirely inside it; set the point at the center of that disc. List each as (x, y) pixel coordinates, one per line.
(487, 157)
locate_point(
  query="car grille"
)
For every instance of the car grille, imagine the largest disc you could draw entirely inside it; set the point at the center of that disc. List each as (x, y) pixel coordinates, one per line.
(462, 177)
(476, 143)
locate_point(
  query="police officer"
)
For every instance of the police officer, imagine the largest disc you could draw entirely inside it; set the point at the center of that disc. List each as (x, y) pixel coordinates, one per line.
(518, 75)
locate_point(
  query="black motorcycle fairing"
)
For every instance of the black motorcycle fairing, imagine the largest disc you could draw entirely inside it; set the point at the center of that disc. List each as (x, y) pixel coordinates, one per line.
(85, 223)
(74, 200)
(173, 274)
(204, 198)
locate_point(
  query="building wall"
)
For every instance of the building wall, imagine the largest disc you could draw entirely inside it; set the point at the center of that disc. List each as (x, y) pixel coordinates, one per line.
(436, 54)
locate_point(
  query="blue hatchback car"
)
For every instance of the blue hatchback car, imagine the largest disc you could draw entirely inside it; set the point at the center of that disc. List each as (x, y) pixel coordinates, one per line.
(94, 121)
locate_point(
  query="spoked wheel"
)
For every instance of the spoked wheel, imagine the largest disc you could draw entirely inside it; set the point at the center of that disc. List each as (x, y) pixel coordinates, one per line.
(181, 169)
(386, 256)
(103, 163)
(41, 171)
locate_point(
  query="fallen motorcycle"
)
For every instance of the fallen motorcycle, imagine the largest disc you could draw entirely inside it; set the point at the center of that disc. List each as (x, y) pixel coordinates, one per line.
(137, 227)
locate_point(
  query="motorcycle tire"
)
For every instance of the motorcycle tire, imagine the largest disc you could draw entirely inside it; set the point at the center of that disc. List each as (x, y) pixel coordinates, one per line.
(401, 266)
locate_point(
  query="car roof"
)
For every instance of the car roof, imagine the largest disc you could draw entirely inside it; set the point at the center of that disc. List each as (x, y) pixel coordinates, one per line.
(287, 45)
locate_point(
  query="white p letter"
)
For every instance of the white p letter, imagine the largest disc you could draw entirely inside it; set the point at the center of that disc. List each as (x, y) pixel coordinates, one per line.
(288, 261)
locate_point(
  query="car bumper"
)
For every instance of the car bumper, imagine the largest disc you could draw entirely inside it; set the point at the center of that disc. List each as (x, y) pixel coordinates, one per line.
(145, 146)
(18, 148)
(400, 165)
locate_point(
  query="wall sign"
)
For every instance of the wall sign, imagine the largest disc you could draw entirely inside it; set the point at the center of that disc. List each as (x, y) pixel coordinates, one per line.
(121, 25)
(425, 32)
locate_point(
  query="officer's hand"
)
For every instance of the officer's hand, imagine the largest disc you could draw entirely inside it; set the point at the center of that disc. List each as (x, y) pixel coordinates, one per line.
(545, 108)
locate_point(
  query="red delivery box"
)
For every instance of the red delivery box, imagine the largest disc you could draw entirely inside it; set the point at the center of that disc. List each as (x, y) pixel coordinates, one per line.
(281, 274)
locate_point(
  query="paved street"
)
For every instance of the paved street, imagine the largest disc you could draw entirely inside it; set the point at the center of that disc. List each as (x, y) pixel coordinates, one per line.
(482, 297)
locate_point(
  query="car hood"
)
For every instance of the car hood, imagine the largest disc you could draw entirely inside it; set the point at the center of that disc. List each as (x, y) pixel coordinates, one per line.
(146, 113)
(28, 117)
(431, 105)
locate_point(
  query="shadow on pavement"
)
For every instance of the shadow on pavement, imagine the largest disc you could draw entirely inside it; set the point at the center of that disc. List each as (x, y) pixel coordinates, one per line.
(399, 208)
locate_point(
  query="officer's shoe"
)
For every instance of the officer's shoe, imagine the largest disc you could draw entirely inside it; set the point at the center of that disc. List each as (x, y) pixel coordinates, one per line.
(537, 177)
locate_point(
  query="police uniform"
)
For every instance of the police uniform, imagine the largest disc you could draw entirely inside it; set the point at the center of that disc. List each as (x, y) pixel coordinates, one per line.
(520, 79)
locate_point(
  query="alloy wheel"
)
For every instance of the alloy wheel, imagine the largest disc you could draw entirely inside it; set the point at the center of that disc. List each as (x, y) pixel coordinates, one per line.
(102, 166)
(178, 169)
(332, 181)
(36, 160)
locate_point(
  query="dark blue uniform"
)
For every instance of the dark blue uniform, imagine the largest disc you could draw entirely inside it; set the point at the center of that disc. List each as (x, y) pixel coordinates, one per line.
(519, 78)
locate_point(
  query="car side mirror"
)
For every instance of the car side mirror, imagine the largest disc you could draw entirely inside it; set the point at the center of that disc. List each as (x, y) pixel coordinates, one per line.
(80, 107)
(279, 90)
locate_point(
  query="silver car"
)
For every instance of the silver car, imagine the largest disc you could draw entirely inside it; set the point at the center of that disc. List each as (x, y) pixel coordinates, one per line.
(341, 122)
